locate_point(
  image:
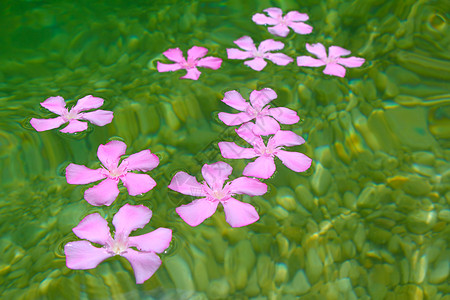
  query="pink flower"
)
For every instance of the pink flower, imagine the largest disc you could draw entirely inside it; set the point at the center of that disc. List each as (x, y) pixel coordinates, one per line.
(82, 255)
(237, 213)
(332, 62)
(107, 191)
(263, 52)
(194, 60)
(264, 165)
(58, 106)
(266, 117)
(292, 19)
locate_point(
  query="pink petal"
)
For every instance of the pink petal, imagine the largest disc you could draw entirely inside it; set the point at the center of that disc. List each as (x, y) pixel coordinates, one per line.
(186, 184)
(197, 211)
(295, 16)
(192, 73)
(93, 228)
(286, 138)
(318, 50)
(261, 98)
(351, 62)
(265, 125)
(279, 30)
(248, 186)
(245, 43)
(234, 119)
(295, 161)
(284, 115)
(157, 241)
(78, 174)
(210, 62)
(47, 124)
(143, 161)
(233, 53)
(87, 103)
(336, 51)
(55, 105)
(144, 264)
(270, 45)
(262, 19)
(238, 213)
(235, 100)
(81, 255)
(137, 184)
(308, 61)
(279, 59)
(245, 131)
(98, 117)
(196, 52)
(161, 67)
(110, 153)
(256, 64)
(131, 217)
(103, 193)
(300, 27)
(262, 167)
(215, 174)
(334, 69)
(274, 12)
(175, 55)
(232, 151)
(75, 126)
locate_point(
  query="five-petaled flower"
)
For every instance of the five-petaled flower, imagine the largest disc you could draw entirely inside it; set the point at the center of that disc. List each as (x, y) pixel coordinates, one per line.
(264, 165)
(194, 60)
(263, 52)
(334, 62)
(265, 117)
(58, 106)
(214, 191)
(292, 19)
(107, 191)
(82, 255)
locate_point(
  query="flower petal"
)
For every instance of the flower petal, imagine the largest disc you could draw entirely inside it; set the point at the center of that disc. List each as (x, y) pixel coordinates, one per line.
(238, 213)
(137, 184)
(235, 100)
(256, 64)
(93, 228)
(144, 264)
(196, 52)
(232, 151)
(318, 50)
(110, 153)
(157, 241)
(265, 125)
(245, 43)
(197, 211)
(47, 124)
(351, 62)
(175, 55)
(334, 69)
(245, 131)
(336, 51)
(279, 30)
(161, 67)
(78, 174)
(210, 62)
(262, 19)
(192, 73)
(75, 126)
(215, 174)
(286, 138)
(280, 59)
(300, 27)
(274, 12)
(248, 186)
(103, 193)
(262, 167)
(233, 53)
(295, 16)
(295, 161)
(98, 117)
(81, 255)
(55, 105)
(308, 61)
(284, 115)
(186, 184)
(270, 45)
(143, 161)
(261, 98)
(87, 103)
(234, 119)
(131, 217)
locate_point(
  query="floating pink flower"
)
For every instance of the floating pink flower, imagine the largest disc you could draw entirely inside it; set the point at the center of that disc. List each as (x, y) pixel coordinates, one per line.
(237, 213)
(264, 165)
(58, 106)
(292, 19)
(259, 55)
(266, 117)
(194, 60)
(334, 62)
(82, 255)
(107, 191)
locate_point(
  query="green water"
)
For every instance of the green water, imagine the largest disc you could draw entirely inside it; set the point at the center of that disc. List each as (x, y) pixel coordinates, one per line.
(368, 220)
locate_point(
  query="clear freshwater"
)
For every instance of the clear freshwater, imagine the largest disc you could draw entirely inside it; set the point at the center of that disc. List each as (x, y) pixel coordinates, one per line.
(368, 220)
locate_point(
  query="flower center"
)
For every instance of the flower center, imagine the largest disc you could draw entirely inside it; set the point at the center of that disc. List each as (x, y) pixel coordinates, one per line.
(264, 150)
(118, 245)
(70, 115)
(115, 172)
(217, 193)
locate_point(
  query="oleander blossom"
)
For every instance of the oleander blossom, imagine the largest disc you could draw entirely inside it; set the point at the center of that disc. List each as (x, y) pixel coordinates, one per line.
(333, 62)
(82, 255)
(265, 117)
(111, 172)
(292, 19)
(57, 105)
(264, 165)
(259, 54)
(195, 58)
(213, 191)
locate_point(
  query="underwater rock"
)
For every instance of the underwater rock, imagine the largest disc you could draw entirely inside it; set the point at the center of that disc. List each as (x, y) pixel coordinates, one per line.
(218, 289)
(299, 284)
(305, 197)
(286, 198)
(180, 273)
(313, 265)
(420, 221)
(321, 180)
